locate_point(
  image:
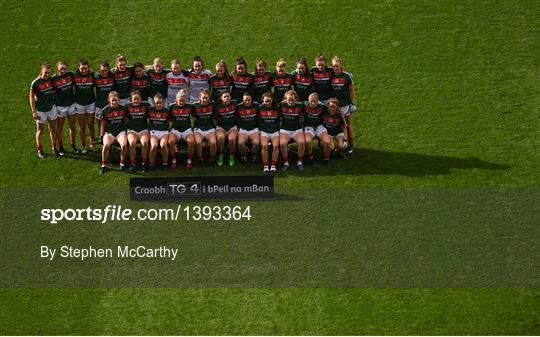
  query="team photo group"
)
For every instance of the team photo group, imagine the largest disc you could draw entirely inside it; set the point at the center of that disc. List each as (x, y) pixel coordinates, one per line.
(243, 115)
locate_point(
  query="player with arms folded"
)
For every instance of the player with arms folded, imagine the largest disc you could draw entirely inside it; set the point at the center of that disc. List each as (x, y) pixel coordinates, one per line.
(282, 81)
(242, 81)
(122, 79)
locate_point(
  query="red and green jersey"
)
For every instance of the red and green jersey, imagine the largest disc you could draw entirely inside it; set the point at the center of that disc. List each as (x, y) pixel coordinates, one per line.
(204, 116)
(114, 119)
(122, 81)
(84, 88)
(247, 116)
(158, 119)
(261, 83)
(241, 84)
(141, 84)
(63, 89)
(303, 85)
(313, 116)
(341, 85)
(225, 115)
(321, 82)
(180, 116)
(43, 91)
(137, 117)
(218, 85)
(158, 82)
(333, 123)
(291, 116)
(281, 85)
(104, 85)
(269, 118)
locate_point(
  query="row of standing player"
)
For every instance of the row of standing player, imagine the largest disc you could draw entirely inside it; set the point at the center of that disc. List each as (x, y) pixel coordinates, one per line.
(80, 95)
(261, 125)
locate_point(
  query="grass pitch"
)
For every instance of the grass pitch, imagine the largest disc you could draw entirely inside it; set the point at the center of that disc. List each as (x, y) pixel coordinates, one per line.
(448, 98)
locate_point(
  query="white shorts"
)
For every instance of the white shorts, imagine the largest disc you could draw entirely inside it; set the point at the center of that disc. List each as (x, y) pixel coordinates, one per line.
(85, 109)
(99, 113)
(181, 135)
(63, 111)
(269, 135)
(315, 133)
(204, 133)
(222, 129)
(249, 132)
(123, 101)
(291, 134)
(341, 134)
(50, 115)
(139, 134)
(347, 110)
(158, 134)
(122, 133)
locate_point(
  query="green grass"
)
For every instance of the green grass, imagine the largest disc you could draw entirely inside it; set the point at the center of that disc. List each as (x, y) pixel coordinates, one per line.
(449, 96)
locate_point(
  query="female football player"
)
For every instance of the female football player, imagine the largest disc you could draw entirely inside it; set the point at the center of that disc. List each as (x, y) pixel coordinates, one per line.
(261, 82)
(220, 82)
(343, 90)
(140, 81)
(269, 126)
(198, 79)
(204, 126)
(122, 79)
(282, 81)
(113, 129)
(247, 127)
(158, 124)
(158, 80)
(313, 128)
(85, 102)
(303, 80)
(334, 123)
(291, 128)
(242, 81)
(177, 79)
(137, 130)
(41, 99)
(64, 101)
(104, 83)
(225, 117)
(181, 115)
(322, 76)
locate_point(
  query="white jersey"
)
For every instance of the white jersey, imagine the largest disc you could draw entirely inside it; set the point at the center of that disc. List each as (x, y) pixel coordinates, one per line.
(175, 84)
(198, 83)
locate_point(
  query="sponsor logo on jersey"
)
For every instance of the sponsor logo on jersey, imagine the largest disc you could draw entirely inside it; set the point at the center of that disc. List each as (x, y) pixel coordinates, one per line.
(43, 86)
(181, 111)
(252, 111)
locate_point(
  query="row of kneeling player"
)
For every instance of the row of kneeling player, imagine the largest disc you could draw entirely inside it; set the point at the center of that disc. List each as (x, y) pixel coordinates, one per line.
(263, 126)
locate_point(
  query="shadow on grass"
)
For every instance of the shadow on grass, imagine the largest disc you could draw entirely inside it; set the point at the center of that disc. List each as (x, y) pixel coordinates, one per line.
(361, 162)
